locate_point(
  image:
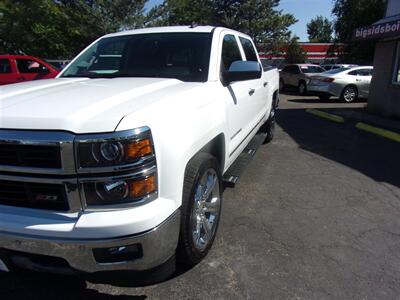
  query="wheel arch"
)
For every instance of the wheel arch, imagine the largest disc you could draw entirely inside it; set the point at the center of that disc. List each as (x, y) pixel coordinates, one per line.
(216, 147)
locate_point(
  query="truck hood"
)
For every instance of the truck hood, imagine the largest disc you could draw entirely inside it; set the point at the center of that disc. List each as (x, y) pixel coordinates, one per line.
(79, 105)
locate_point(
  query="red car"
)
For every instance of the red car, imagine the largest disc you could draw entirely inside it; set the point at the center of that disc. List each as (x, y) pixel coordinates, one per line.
(18, 68)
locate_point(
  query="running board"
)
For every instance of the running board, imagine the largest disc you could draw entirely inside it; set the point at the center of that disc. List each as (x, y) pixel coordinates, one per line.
(232, 175)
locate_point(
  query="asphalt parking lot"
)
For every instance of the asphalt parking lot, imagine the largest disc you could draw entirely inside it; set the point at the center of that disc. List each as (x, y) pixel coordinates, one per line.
(316, 215)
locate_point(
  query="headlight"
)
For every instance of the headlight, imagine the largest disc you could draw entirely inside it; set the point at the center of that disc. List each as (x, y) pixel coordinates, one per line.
(117, 168)
(121, 148)
(119, 191)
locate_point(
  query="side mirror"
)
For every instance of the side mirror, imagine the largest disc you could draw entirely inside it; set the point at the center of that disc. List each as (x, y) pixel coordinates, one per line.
(241, 71)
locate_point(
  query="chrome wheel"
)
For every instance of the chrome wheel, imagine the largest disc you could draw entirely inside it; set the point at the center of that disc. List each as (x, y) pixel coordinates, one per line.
(206, 209)
(349, 94)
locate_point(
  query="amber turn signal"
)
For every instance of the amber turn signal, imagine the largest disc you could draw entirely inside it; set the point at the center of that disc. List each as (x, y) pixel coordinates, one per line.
(140, 188)
(140, 148)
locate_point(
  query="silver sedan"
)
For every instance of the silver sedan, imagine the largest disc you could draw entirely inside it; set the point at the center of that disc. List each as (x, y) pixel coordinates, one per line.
(348, 84)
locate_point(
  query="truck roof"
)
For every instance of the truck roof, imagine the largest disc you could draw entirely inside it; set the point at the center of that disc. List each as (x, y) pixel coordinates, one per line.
(188, 28)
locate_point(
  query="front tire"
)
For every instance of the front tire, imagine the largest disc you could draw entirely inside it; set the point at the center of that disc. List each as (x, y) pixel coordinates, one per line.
(201, 208)
(302, 88)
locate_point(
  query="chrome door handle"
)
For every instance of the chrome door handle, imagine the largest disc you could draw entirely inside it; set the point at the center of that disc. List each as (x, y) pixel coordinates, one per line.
(265, 83)
(251, 91)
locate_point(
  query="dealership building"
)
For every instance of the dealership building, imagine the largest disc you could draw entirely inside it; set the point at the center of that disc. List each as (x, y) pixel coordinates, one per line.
(384, 95)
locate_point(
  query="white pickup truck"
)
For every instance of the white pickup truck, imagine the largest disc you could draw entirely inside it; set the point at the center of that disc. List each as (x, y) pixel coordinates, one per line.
(120, 162)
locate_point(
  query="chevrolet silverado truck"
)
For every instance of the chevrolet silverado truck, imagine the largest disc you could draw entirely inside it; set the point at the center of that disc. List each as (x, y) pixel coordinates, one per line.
(120, 162)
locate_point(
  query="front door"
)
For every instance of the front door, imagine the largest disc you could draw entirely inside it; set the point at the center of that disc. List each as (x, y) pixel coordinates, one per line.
(242, 98)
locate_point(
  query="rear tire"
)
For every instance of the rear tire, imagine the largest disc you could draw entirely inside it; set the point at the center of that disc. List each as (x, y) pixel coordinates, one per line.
(269, 127)
(349, 94)
(201, 208)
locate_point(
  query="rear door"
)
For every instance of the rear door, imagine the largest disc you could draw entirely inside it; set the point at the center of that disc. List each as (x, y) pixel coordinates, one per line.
(364, 77)
(7, 71)
(260, 95)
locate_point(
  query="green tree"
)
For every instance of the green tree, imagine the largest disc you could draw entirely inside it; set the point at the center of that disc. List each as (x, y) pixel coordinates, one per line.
(320, 30)
(61, 28)
(295, 54)
(259, 18)
(352, 14)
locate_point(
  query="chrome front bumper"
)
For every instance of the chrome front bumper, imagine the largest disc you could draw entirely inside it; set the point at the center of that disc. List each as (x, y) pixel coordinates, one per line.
(158, 245)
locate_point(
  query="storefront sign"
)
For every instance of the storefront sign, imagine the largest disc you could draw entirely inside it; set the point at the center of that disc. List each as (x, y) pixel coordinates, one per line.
(382, 30)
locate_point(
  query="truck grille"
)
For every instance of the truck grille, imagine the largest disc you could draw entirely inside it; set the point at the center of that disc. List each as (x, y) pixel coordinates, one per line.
(30, 156)
(33, 195)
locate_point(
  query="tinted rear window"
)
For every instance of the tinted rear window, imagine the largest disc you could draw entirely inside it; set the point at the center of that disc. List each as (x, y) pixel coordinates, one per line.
(248, 48)
(312, 69)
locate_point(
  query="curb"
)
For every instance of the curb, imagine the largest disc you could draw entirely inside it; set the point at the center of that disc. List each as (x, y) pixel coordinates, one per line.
(325, 115)
(379, 131)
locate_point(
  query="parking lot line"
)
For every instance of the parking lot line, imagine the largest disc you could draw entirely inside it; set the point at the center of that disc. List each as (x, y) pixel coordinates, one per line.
(379, 131)
(325, 115)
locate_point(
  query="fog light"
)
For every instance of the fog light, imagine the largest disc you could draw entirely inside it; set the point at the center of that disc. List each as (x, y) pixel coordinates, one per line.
(118, 254)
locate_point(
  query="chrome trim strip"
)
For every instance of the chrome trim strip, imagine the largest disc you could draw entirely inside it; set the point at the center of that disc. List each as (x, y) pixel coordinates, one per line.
(111, 177)
(111, 136)
(64, 140)
(119, 168)
(251, 131)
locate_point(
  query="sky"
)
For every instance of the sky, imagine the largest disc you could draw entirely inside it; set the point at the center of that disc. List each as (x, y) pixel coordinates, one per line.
(303, 10)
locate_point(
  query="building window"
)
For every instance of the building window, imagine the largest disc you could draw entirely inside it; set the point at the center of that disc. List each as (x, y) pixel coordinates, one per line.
(396, 75)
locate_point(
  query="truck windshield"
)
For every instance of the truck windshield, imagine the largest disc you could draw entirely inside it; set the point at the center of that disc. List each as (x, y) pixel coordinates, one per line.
(184, 56)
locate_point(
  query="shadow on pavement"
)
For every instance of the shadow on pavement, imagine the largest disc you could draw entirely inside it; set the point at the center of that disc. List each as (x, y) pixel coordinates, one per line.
(318, 100)
(313, 100)
(371, 155)
(42, 286)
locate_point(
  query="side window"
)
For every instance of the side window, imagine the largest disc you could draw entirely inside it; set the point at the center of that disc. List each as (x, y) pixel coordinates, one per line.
(295, 70)
(230, 51)
(353, 73)
(286, 69)
(249, 50)
(364, 72)
(29, 66)
(5, 66)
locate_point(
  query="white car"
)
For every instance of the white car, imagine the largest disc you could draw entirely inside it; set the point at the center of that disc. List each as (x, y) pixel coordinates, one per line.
(120, 162)
(348, 84)
(329, 67)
